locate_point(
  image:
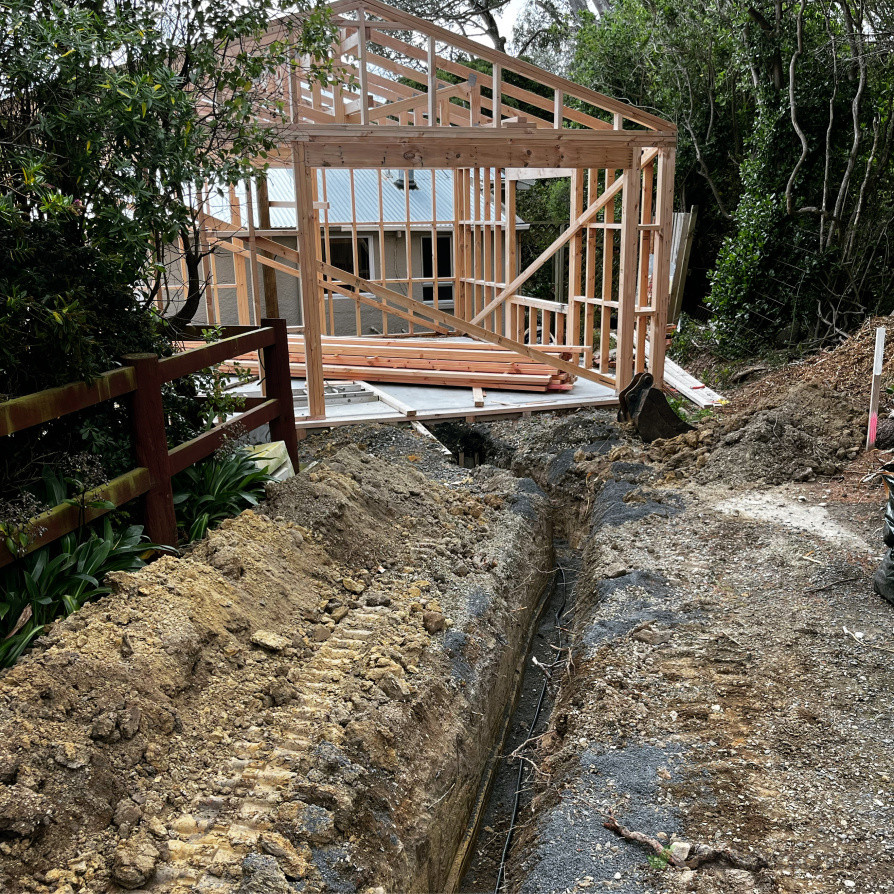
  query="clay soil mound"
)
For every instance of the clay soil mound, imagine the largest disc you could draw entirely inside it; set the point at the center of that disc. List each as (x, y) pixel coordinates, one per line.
(301, 702)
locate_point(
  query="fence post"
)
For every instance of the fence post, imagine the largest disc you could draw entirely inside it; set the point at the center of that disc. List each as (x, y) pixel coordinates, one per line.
(278, 377)
(151, 447)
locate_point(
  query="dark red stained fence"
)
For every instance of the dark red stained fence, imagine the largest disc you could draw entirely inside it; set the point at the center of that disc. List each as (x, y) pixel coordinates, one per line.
(142, 378)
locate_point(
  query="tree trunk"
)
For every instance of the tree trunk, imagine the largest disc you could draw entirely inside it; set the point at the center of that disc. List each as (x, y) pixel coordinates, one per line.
(192, 259)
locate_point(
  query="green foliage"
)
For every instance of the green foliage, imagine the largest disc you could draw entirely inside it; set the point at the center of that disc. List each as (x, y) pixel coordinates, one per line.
(59, 579)
(689, 412)
(660, 861)
(218, 488)
(114, 114)
(786, 132)
(544, 207)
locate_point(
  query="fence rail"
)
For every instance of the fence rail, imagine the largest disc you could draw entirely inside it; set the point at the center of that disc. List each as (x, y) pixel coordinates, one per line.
(142, 379)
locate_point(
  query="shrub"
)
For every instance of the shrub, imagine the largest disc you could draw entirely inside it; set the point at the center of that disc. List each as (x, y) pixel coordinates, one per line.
(58, 579)
(218, 488)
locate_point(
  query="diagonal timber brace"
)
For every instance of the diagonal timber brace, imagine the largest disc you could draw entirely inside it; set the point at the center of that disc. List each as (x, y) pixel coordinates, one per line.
(417, 307)
(588, 214)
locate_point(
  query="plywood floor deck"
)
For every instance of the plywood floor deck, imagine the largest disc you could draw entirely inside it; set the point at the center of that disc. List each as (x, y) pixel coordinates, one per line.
(430, 403)
(351, 403)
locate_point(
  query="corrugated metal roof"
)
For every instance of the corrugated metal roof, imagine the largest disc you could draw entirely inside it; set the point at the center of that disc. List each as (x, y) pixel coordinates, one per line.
(337, 191)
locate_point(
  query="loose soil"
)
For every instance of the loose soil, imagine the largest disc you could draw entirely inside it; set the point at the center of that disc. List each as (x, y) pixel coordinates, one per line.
(305, 701)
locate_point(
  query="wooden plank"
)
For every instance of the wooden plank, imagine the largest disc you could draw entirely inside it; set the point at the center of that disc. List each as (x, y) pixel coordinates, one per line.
(386, 398)
(63, 519)
(681, 267)
(878, 361)
(627, 275)
(690, 387)
(35, 409)
(362, 36)
(271, 296)
(278, 385)
(386, 146)
(509, 367)
(421, 100)
(191, 361)
(538, 173)
(205, 444)
(661, 273)
(641, 323)
(478, 397)
(243, 312)
(433, 377)
(311, 309)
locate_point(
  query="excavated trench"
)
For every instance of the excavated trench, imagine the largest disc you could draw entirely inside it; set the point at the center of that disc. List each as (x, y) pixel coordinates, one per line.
(505, 795)
(318, 697)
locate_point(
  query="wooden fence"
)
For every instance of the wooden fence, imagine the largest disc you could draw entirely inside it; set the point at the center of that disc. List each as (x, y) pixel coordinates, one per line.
(143, 378)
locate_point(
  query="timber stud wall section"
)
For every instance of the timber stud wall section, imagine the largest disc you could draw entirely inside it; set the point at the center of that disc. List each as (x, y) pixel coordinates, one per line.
(142, 379)
(403, 103)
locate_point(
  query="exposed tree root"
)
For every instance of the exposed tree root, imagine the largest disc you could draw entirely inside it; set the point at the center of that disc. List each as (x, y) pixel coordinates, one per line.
(699, 855)
(640, 838)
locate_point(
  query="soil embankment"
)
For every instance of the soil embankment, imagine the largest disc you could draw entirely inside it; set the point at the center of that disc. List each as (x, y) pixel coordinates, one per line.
(307, 698)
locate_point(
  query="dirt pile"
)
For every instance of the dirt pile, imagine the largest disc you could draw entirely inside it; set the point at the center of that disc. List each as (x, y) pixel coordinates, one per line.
(847, 367)
(803, 420)
(792, 435)
(288, 704)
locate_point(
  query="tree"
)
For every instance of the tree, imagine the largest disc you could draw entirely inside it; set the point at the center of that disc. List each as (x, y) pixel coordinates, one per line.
(786, 129)
(112, 114)
(473, 18)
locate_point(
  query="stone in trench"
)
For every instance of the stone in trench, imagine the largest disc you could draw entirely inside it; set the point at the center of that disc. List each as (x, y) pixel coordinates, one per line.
(292, 861)
(134, 862)
(270, 641)
(320, 633)
(22, 811)
(353, 586)
(339, 613)
(651, 637)
(281, 692)
(680, 850)
(433, 622)
(105, 727)
(127, 813)
(129, 721)
(9, 766)
(262, 875)
(395, 687)
(313, 823)
(71, 755)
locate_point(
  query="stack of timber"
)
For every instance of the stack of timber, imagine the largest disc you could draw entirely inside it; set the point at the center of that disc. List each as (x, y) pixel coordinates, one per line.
(436, 362)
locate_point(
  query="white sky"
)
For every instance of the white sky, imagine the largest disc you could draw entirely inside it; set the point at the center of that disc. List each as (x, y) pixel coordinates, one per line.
(508, 15)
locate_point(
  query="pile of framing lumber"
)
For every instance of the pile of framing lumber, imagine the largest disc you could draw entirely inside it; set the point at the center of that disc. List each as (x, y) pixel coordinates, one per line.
(436, 362)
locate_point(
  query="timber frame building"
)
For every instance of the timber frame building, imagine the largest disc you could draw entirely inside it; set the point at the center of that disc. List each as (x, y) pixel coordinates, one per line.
(409, 95)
